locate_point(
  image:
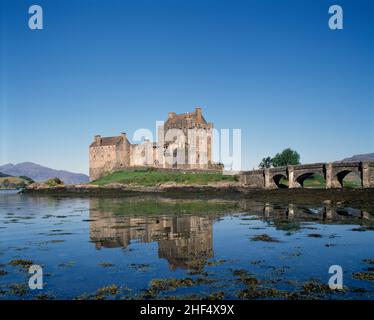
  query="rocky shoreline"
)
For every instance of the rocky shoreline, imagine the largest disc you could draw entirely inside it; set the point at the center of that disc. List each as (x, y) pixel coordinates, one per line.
(119, 188)
(225, 189)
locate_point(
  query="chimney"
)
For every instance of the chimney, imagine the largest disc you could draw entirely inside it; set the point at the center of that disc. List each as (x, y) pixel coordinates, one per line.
(171, 115)
(124, 135)
(198, 112)
(98, 139)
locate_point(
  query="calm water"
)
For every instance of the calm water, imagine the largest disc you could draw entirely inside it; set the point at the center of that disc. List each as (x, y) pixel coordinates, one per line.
(152, 248)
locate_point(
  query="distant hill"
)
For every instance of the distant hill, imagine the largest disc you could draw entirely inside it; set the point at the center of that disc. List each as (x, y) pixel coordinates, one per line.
(2, 175)
(40, 173)
(359, 157)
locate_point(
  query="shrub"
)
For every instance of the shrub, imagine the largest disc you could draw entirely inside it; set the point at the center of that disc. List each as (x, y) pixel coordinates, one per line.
(54, 182)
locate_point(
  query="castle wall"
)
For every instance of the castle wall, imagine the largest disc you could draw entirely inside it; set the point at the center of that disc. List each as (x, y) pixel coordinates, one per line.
(104, 159)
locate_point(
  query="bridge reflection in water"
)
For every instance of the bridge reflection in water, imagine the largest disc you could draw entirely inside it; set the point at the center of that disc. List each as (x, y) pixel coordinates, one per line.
(185, 240)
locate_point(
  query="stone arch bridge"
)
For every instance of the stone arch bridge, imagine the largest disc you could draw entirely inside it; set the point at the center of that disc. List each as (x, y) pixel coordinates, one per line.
(334, 173)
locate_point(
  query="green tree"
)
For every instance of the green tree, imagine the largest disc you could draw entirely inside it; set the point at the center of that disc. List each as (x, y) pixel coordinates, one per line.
(53, 182)
(266, 163)
(286, 157)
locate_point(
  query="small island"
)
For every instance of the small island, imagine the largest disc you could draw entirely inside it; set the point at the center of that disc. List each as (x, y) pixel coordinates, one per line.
(150, 181)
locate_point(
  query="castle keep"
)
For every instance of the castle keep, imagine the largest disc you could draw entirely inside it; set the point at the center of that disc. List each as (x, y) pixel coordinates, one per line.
(184, 142)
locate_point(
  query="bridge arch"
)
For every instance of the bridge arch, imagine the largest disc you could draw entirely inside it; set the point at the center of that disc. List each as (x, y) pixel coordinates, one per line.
(342, 174)
(302, 173)
(301, 178)
(277, 179)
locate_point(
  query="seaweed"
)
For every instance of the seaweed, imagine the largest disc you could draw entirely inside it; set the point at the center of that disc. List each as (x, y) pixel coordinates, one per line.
(18, 289)
(365, 276)
(105, 264)
(44, 296)
(216, 262)
(264, 237)
(368, 261)
(23, 263)
(315, 286)
(314, 235)
(109, 290)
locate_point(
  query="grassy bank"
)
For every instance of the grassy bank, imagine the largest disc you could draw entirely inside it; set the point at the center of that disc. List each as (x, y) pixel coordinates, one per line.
(12, 182)
(152, 178)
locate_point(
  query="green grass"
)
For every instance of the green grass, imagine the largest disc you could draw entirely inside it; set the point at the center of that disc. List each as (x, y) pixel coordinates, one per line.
(317, 181)
(152, 178)
(351, 184)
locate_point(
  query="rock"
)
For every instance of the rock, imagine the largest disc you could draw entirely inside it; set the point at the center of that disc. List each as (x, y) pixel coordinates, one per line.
(115, 185)
(84, 186)
(37, 186)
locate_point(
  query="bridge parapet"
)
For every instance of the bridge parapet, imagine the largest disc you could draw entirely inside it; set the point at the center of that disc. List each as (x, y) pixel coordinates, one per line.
(278, 170)
(348, 164)
(308, 166)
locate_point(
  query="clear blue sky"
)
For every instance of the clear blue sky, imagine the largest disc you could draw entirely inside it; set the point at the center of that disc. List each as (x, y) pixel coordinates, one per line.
(272, 68)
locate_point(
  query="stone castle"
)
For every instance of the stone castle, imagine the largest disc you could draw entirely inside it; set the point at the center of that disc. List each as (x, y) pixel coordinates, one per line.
(184, 142)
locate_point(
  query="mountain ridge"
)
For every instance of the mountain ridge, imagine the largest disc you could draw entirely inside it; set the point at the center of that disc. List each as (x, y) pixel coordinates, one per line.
(41, 173)
(358, 157)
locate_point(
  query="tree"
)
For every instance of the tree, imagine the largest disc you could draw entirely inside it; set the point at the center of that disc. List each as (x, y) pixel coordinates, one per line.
(266, 163)
(286, 157)
(6, 183)
(29, 180)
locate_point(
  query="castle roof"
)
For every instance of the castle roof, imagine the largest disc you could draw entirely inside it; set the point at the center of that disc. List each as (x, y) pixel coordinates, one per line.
(195, 117)
(106, 141)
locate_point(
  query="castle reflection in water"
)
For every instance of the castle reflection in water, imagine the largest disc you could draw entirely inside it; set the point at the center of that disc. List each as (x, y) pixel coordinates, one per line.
(185, 240)
(182, 239)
